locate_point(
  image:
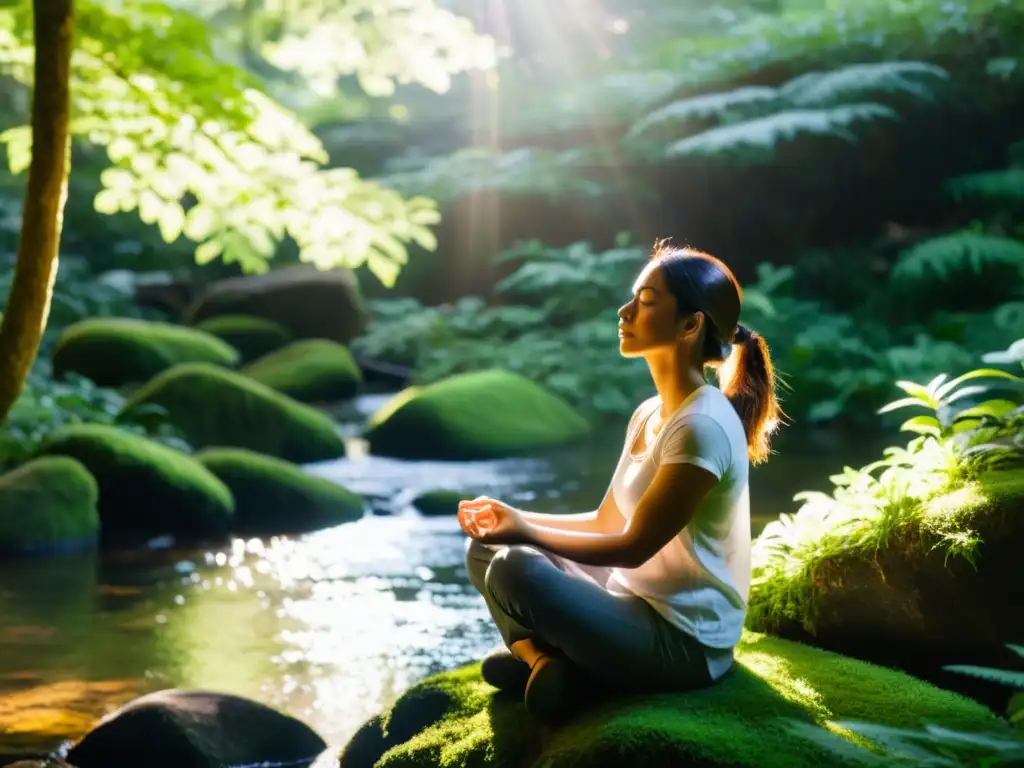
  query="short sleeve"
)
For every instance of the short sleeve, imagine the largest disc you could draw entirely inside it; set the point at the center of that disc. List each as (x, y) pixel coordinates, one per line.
(697, 439)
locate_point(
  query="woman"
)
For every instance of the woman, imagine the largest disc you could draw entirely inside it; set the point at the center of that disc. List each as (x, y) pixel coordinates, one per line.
(648, 592)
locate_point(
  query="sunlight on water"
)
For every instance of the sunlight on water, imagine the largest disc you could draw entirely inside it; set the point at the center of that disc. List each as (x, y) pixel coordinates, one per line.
(332, 627)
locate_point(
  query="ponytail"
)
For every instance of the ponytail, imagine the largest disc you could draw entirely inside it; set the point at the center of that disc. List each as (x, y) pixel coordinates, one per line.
(747, 378)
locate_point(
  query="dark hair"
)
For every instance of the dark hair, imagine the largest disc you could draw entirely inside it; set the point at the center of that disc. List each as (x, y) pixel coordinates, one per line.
(702, 283)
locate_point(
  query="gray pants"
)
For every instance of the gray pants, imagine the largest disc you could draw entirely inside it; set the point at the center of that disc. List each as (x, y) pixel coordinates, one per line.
(563, 606)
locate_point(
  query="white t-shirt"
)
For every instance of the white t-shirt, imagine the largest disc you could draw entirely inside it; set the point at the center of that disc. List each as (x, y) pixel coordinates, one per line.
(700, 580)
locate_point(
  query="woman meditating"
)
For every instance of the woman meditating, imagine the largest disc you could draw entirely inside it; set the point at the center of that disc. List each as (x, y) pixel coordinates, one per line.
(647, 593)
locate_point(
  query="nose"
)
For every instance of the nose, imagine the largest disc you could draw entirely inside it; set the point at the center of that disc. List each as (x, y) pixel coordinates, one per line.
(625, 310)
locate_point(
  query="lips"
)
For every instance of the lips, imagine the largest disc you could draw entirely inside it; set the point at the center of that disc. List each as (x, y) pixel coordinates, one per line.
(623, 332)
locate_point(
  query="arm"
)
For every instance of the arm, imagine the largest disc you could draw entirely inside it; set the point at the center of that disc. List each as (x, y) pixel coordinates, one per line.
(665, 509)
(605, 519)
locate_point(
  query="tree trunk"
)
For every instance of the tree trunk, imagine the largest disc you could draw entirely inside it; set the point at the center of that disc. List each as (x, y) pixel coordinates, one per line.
(28, 304)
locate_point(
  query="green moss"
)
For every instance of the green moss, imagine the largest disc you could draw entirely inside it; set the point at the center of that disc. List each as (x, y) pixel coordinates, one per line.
(145, 488)
(215, 407)
(758, 715)
(274, 496)
(788, 586)
(488, 414)
(440, 502)
(48, 503)
(313, 371)
(309, 302)
(252, 336)
(113, 351)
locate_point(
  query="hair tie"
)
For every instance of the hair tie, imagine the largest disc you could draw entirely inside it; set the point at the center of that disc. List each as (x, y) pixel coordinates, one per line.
(742, 334)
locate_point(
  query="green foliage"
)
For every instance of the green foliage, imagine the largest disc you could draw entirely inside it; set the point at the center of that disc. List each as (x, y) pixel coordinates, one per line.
(179, 125)
(870, 507)
(556, 324)
(756, 140)
(1000, 187)
(754, 120)
(383, 43)
(564, 336)
(960, 254)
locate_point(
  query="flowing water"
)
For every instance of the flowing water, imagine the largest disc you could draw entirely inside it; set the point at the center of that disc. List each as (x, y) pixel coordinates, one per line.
(329, 627)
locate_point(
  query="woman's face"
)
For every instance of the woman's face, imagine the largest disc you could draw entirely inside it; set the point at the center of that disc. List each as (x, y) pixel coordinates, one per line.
(650, 321)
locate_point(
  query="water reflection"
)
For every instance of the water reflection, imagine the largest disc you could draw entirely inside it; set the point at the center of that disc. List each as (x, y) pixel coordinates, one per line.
(330, 627)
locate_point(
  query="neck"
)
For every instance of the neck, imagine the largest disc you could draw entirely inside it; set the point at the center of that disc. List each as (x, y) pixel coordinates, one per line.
(676, 377)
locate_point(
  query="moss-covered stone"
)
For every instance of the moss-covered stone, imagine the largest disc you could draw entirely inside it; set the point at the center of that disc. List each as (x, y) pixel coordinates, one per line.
(487, 414)
(48, 504)
(779, 708)
(114, 351)
(312, 370)
(252, 336)
(274, 496)
(311, 303)
(145, 488)
(438, 503)
(215, 407)
(912, 603)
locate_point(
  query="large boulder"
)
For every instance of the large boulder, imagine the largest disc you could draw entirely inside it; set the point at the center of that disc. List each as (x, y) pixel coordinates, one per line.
(311, 303)
(778, 708)
(252, 336)
(145, 488)
(114, 351)
(311, 370)
(913, 602)
(274, 496)
(215, 407)
(481, 415)
(47, 505)
(196, 729)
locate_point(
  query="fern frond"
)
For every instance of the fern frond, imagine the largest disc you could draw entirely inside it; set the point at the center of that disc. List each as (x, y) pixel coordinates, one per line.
(1002, 676)
(757, 139)
(1005, 186)
(746, 102)
(949, 255)
(865, 82)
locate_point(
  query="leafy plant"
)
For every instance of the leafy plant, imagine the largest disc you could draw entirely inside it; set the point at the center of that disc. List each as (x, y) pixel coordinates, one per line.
(870, 506)
(199, 149)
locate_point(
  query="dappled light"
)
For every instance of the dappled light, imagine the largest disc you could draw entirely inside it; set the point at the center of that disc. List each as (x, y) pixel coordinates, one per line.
(372, 366)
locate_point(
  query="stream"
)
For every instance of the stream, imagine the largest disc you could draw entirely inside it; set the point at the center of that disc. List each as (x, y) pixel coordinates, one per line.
(329, 627)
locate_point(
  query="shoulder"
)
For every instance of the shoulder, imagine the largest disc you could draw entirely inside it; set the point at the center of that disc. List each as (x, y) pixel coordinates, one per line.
(702, 434)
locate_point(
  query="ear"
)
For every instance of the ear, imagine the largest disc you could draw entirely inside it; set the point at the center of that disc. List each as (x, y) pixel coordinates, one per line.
(691, 324)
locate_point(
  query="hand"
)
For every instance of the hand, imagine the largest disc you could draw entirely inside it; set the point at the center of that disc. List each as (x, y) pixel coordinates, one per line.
(490, 521)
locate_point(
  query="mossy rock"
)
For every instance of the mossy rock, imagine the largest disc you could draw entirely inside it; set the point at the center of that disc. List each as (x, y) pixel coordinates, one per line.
(439, 503)
(481, 415)
(48, 505)
(780, 707)
(309, 302)
(145, 488)
(910, 603)
(114, 351)
(215, 407)
(252, 336)
(312, 370)
(275, 496)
